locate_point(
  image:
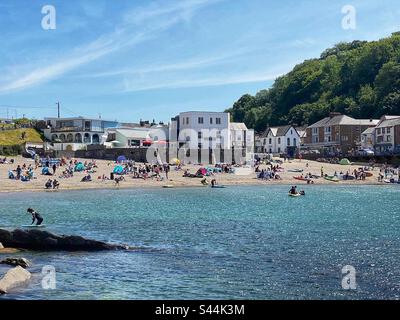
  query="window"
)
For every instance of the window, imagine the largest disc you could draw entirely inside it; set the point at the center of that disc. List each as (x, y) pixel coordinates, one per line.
(388, 130)
(327, 129)
(295, 142)
(314, 130)
(288, 142)
(95, 139)
(383, 130)
(200, 146)
(211, 120)
(389, 138)
(279, 150)
(270, 140)
(279, 140)
(265, 141)
(134, 143)
(200, 135)
(378, 131)
(218, 120)
(345, 138)
(315, 139)
(201, 120)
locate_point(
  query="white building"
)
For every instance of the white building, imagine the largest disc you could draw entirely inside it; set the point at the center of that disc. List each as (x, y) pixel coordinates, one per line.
(76, 133)
(136, 137)
(242, 138)
(368, 139)
(279, 140)
(387, 135)
(201, 130)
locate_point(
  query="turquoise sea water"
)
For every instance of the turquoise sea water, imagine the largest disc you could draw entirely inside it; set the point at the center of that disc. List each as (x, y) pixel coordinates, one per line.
(235, 243)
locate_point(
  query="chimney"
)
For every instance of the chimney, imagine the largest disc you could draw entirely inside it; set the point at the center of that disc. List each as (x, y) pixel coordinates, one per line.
(334, 114)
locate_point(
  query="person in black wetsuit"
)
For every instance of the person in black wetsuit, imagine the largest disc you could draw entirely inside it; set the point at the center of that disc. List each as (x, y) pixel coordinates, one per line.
(35, 217)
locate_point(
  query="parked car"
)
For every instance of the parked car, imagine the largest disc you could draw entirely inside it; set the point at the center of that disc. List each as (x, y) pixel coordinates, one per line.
(366, 153)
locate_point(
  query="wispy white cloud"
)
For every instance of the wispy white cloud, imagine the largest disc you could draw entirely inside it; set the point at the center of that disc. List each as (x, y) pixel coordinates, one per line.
(189, 64)
(136, 85)
(125, 35)
(184, 9)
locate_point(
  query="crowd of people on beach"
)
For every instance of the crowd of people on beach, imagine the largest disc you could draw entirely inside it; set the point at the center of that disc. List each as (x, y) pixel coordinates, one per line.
(271, 173)
(120, 171)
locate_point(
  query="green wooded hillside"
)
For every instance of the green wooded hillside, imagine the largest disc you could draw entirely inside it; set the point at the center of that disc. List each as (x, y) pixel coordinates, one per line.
(360, 79)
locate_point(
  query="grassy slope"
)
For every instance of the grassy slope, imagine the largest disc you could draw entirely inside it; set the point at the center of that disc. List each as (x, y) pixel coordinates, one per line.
(13, 137)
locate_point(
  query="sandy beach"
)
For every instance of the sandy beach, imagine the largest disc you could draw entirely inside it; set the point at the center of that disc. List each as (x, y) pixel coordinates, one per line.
(176, 178)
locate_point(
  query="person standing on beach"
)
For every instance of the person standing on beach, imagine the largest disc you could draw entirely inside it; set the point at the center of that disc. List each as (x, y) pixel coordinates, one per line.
(35, 216)
(54, 169)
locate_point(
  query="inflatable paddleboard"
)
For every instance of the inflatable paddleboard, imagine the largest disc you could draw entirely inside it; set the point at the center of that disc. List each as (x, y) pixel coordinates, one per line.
(33, 226)
(218, 187)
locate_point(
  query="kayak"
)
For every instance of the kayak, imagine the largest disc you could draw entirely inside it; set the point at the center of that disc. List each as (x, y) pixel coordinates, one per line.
(332, 178)
(302, 179)
(294, 195)
(218, 187)
(296, 170)
(168, 187)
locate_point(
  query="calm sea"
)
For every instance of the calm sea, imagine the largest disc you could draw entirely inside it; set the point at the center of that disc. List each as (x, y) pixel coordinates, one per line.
(235, 243)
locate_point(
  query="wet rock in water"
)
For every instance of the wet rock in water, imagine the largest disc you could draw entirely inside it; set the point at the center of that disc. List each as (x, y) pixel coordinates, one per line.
(14, 278)
(22, 262)
(39, 240)
(9, 251)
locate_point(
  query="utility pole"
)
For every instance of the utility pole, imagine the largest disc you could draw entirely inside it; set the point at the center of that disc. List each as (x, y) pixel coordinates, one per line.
(58, 110)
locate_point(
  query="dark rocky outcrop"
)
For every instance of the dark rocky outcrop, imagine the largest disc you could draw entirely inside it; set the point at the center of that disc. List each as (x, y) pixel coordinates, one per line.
(38, 240)
(22, 262)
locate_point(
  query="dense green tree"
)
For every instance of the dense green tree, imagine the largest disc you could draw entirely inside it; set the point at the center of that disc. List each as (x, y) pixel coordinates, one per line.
(361, 79)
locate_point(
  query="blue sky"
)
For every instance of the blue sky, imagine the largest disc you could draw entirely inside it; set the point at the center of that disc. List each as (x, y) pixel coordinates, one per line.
(132, 59)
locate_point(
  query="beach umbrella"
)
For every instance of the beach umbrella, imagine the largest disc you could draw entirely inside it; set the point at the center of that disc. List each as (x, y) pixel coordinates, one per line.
(121, 159)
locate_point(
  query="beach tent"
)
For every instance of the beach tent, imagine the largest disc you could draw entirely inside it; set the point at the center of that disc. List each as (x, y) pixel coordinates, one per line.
(118, 170)
(345, 162)
(201, 172)
(79, 167)
(121, 159)
(45, 170)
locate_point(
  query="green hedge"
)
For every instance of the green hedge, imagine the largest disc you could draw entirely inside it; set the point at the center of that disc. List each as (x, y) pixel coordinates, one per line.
(13, 150)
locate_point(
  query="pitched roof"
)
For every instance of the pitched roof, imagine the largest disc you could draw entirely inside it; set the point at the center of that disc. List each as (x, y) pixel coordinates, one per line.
(389, 123)
(238, 126)
(369, 130)
(343, 120)
(277, 131)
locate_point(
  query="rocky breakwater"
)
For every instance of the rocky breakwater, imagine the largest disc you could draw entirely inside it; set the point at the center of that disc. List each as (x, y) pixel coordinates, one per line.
(38, 240)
